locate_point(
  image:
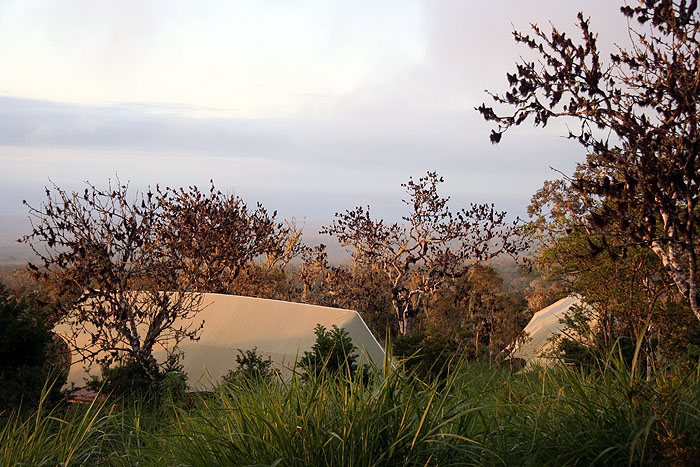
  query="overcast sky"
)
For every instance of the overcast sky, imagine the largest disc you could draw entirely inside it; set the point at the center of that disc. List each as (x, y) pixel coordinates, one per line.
(310, 107)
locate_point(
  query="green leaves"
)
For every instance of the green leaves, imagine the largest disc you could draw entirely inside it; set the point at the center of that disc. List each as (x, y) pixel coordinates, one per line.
(28, 353)
(637, 115)
(333, 352)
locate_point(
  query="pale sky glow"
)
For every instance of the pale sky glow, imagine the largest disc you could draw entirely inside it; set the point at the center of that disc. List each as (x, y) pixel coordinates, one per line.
(311, 107)
(236, 59)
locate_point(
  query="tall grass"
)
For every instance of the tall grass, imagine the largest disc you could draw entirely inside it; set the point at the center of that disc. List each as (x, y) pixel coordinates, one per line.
(71, 436)
(392, 420)
(475, 416)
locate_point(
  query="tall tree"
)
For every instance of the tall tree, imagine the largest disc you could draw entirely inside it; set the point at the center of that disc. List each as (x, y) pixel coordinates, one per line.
(637, 115)
(430, 245)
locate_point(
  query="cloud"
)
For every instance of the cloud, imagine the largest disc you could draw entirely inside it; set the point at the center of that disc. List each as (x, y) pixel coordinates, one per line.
(311, 167)
(410, 110)
(447, 137)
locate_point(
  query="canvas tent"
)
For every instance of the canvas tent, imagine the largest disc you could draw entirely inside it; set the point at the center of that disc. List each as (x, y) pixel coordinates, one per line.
(279, 330)
(542, 327)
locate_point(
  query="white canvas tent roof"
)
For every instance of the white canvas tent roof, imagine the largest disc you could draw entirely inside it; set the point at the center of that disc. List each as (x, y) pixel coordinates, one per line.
(543, 325)
(280, 330)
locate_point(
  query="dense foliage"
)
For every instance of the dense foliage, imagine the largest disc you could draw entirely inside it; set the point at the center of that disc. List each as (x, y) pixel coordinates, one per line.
(628, 296)
(636, 113)
(29, 354)
(250, 366)
(333, 352)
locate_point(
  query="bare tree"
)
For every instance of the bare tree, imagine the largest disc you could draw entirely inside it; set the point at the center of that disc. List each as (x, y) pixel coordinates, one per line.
(431, 245)
(313, 273)
(102, 253)
(637, 115)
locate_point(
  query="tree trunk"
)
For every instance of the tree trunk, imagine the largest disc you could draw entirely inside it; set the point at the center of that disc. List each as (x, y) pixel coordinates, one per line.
(683, 277)
(404, 325)
(402, 317)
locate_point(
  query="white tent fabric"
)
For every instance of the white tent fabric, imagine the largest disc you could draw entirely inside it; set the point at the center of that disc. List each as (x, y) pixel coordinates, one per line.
(543, 325)
(280, 330)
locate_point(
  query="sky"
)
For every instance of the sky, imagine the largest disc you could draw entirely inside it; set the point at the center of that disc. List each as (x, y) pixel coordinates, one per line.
(310, 107)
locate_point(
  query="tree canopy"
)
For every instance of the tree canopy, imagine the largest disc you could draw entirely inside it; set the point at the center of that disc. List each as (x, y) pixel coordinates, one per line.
(636, 113)
(432, 243)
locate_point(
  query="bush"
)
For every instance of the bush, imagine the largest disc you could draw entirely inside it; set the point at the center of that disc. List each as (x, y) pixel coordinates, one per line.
(131, 378)
(29, 355)
(173, 384)
(580, 345)
(428, 356)
(126, 378)
(332, 352)
(251, 367)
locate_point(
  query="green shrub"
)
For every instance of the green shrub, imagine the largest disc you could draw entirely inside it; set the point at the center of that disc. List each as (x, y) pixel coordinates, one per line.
(332, 352)
(250, 367)
(29, 355)
(429, 357)
(173, 384)
(127, 378)
(133, 380)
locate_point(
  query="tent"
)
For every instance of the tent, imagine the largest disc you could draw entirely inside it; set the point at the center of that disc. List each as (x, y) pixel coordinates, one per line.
(545, 324)
(279, 330)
